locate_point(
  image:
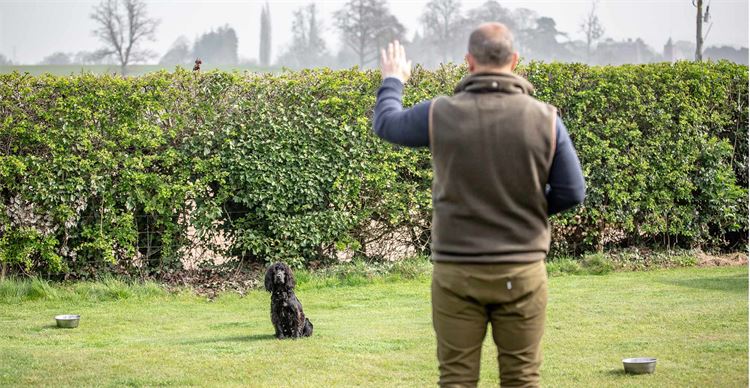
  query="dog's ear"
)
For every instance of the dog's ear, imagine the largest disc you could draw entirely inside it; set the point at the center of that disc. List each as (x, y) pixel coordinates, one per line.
(269, 278)
(290, 282)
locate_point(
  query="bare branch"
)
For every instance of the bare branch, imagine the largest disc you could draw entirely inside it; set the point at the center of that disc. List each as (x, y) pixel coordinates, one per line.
(365, 24)
(122, 31)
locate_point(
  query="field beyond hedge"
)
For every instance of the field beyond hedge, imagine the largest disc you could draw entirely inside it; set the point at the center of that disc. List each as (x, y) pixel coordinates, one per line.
(695, 321)
(103, 174)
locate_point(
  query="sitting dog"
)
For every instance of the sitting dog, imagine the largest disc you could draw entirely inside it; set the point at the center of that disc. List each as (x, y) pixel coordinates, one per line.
(286, 310)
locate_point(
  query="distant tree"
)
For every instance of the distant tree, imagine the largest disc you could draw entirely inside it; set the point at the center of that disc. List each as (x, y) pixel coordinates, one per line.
(524, 18)
(178, 54)
(367, 25)
(680, 50)
(525, 22)
(123, 30)
(729, 53)
(58, 58)
(592, 28)
(442, 23)
(90, 58)
(422, 52)
(82, 57)
(308, 49)
(217, 47)
(611, 52)
(490, 11)
(542, 41)
(346, 58)
(265, 36)
(4, 61)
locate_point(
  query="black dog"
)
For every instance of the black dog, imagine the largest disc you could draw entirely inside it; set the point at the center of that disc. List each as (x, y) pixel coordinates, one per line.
(286, 310)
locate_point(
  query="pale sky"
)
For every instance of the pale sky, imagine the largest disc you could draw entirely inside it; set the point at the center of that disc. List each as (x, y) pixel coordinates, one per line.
(33, 29)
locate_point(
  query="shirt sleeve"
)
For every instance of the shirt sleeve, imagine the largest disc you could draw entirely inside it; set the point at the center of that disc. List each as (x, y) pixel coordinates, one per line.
(393, 123)
(567, 187)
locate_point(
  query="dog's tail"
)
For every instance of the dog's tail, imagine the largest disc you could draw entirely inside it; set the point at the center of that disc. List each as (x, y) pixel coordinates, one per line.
(308, 329)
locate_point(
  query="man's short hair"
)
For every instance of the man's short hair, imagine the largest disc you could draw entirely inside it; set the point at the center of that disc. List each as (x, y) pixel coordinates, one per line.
(491, 45)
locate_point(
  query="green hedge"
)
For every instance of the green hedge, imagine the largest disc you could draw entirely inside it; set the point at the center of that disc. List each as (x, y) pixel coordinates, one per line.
(100, 173)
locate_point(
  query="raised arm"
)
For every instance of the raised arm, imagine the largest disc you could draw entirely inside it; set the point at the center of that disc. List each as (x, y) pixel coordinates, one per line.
(391, 122)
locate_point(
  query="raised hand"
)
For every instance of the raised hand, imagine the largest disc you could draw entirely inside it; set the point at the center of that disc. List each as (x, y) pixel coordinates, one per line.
(393, 62)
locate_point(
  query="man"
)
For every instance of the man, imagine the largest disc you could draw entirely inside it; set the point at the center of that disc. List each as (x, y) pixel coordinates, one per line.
(503, 162)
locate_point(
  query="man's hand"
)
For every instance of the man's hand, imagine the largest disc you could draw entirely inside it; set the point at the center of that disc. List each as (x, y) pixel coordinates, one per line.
(393, 63)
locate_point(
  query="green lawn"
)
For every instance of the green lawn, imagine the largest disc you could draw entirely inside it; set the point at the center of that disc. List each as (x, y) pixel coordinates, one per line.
(695, 321)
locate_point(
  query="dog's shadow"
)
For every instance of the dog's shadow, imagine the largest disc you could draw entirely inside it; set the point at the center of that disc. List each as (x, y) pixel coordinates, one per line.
(239, 338)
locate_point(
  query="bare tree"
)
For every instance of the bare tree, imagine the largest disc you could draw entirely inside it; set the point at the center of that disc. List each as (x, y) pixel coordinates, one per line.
(308, 49)
(592, 28)
(123, 30)
(442, 20)
(366, 25)
(701, 18)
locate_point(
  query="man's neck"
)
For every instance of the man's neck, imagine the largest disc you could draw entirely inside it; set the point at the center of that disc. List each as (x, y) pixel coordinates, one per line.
(491, 70)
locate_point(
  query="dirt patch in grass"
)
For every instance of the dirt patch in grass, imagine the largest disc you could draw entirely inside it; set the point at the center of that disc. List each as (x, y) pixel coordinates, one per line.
(721, 260)
(210, 282)
(214, 280)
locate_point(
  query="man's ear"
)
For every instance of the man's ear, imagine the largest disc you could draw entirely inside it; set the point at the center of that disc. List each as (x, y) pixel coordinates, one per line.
(471, 62)
(514, 61)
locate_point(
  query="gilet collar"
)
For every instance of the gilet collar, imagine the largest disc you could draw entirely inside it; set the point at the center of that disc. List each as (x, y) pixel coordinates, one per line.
(494, 82)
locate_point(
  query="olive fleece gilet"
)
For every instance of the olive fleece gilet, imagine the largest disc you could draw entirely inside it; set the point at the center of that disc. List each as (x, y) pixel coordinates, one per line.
(492, 148)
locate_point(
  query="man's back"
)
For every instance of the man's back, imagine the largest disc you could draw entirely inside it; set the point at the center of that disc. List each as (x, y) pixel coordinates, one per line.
(492, 149)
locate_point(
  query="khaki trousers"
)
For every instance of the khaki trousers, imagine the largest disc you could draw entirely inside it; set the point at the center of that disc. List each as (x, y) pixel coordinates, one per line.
(511, 297)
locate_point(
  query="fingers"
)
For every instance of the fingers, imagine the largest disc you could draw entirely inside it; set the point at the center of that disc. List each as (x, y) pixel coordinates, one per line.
(383, 58)
(395, 53)
(399, 51)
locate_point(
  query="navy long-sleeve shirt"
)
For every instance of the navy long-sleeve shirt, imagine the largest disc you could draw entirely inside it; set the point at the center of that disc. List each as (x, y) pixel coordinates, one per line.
(409, 127)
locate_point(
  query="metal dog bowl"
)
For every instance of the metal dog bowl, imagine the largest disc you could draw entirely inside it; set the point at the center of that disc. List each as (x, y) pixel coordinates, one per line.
(67, 321)
(639, 365)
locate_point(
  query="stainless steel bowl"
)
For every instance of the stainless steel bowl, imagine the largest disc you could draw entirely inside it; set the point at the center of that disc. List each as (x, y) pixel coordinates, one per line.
(639, 365)
(67, 321)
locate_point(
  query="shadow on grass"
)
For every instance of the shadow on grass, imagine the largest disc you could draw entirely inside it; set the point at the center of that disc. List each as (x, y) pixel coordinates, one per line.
(616, 373)
(238, 338)
(736, 283)
(53, 326)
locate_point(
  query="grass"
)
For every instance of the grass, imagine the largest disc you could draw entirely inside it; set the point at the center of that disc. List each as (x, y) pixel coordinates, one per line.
(373, 333)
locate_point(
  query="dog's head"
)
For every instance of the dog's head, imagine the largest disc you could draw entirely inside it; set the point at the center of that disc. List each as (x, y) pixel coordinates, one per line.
(279, 276)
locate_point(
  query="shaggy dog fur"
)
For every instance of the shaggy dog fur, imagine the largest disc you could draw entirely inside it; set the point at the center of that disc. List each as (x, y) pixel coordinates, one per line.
(286, 310)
